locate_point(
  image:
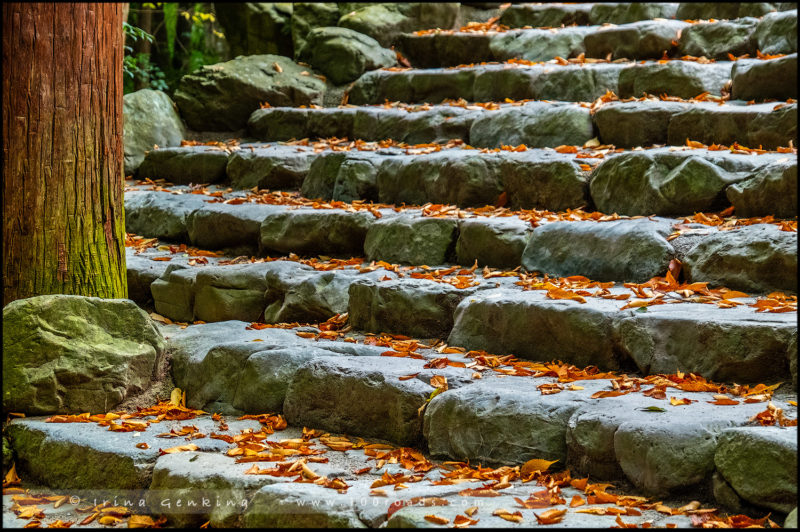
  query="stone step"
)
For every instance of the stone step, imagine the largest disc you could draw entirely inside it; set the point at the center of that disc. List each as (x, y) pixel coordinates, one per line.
(574, 81)
(535, 124)
(207, 486)
(556, 14)
(663, 181)
(646, 39)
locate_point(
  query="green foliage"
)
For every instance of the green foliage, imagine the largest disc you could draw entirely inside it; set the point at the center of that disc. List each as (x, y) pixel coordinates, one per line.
(183, 37)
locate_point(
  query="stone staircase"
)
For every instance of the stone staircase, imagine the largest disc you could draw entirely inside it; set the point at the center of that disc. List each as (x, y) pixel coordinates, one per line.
(601, 186)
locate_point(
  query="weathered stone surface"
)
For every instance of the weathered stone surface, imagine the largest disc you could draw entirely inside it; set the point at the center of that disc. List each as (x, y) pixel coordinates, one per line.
(777, 33)
(756, 258)
(343, 54)
(554, 15)
(316, 231)
(760, 464)
(279, 123)
(537, 45)
(715, 40)
(497, 243)
(159, 214)
(185, 165)
(410, 239)
(756, 125)
(342, 177)
(289, 506)
(622, 250)
(257, 28)
(722, 10)
(684, 79)
(150, 118)
(625, 13)
(639, 40)
(659, 452)
(232, 292)
(173, 293)
(791, 519)
(533, 327)
(141, 271)
(222, 96)
(360, 396)
(773, 190)
(67, 354)
(268, 167)
(645, 183)
(535, 125)
(503, 422)
(309, 15)
(221, 225)
(416, 307)
(769, 78)
(81, 455)
(543, 180)
(385, 22)
(632, 124)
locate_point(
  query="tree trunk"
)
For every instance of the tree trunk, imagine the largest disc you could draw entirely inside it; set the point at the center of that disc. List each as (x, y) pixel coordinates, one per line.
(63, 217)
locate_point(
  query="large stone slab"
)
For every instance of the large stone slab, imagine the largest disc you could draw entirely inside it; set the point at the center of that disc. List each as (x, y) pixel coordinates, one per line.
(307, 505)
(185, 165)
(684, 79)
(715, 40)
(316, 231)
(232, 292)
(631, 124)
(221, 225)
(639, 40)
(385, 22)
(173, 293)
(777, 32)
(150, 119)
(770, 78)
(273, 167)
(494, 242)
(622, 250)
(68, 354)
(416, 307)
(772, 190)
(760, 463)
(519, 15)
(343, 177)
(343, 54)
(141, 271)
(535, 125)
(411, 239)
(160, 214)
(222, 96)
(757, 258)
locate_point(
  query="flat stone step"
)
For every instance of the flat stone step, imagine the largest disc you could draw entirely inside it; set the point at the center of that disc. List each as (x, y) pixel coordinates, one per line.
(551, 81)
(675, 180)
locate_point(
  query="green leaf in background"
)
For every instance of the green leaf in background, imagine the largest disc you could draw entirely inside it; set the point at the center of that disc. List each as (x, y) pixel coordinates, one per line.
(171, 26)
(653, 409)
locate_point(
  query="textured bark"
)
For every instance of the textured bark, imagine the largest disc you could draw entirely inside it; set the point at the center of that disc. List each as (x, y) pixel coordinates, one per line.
(63, 217)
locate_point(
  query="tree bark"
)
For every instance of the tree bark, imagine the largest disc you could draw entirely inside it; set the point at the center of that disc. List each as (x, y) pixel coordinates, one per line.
(63, 217)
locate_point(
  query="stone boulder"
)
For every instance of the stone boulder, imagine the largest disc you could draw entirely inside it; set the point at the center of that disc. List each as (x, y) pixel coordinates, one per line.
(537, 126)
(343, 54)
(716, 40)
(385, 22)
(755, 258)
(73, 354)
(773, 190)
(640, 40)
(150, 119)
(412, 239)
(777, 33)
(253, 28)
(221, 97)
(760, 80)
(185, 165)
(316, 231)
(309, 15)
(684, 79)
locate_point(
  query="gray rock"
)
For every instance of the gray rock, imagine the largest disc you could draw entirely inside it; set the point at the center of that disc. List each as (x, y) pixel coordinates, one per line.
(762, 79)
(342, 177)
(360, 396)
(538, 126)
(253, 28)
(552, 15)
(309, 15)
(507, 422)
(775, 129)
(316, 231)
(684, 79)
(759, 464)
(385, 22)
(222, 96)
(141, 272)
(622, 250)
(715, 40)
(643, 183)
(538, 45)
(343, 54)
(625, 13)
(756, 258)
(410, 239)
(185, 165)
(777, 33)
(160, 214)
(725, 495)
(791, 519)
(773, 190)
(233, 292)
(279, 124)
(639, 40)
(308, 297)
(67, 354)
(722, 10)
(495, 242)
(271, 168)
(543, 180)
(416, 307)
(150, 118)
(173, 293)
(290, 505)
(221, 225)
(76, 456)
(536, 328)
(632, 124)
